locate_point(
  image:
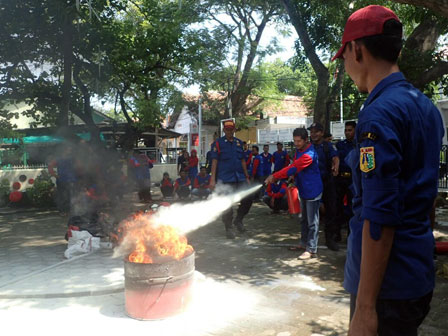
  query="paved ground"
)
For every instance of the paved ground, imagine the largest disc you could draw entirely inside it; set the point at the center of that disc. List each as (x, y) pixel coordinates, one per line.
(249, 286)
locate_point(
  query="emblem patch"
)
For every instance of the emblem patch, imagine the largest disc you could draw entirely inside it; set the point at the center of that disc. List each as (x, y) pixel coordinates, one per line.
(367, 159)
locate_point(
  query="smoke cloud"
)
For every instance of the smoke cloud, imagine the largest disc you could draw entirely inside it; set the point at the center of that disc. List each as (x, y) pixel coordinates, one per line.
(185, 218)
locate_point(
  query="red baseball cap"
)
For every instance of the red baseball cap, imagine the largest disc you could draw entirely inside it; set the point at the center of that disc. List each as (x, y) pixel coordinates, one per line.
(367, 21)
(229, 124)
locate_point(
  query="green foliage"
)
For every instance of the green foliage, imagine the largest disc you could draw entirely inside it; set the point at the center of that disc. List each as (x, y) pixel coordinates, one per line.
(41, 193)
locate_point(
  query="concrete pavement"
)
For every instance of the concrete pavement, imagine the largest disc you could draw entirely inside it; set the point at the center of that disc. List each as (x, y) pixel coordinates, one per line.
(248, 286)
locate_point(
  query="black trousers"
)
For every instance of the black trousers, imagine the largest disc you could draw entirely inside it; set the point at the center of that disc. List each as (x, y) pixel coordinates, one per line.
(65, 192)
(343, 214)
(243, 208)
(398, 317)
(167, 191)
(183, 192)
(329, 200)
(279, 203)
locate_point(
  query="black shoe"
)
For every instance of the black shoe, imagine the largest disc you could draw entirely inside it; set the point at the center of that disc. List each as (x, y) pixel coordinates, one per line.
(239, 226)
(338, 238)
(230, 234)
(332, 245)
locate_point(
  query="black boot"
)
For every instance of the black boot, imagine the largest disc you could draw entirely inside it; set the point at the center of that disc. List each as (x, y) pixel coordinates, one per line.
(332, 245)
(239, 225)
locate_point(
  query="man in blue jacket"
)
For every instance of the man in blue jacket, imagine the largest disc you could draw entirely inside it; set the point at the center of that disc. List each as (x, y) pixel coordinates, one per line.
(389, 270)
(229, 168)
(305, 170)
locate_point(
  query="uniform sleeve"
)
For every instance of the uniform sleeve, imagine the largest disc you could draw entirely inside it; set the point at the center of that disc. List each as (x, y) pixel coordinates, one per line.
(333, 151)
(287, 160)
(188, 182)
(269, 190)
(176, 184)
(281, 192)
(301, 163)
(255, 167)
(249, 159)
(214, 151)
(196, 183)
(380, 162)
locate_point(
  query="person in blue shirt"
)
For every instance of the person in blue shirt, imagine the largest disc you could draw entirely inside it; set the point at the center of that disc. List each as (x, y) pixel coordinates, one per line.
(280, 158)
(266, 162)
(247, 152)
(305, 171)
(229, 167)
(141, 166)
(344, 179)
(201, 184)
(328, 166)
(66, 179)
(389, 269)
(182, 186)
(275, 196)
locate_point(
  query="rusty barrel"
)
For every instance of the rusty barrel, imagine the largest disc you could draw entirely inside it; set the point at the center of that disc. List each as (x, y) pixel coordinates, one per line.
(157, 291)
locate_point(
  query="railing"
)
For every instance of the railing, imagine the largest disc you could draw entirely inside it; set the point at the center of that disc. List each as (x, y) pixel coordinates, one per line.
(28, 166)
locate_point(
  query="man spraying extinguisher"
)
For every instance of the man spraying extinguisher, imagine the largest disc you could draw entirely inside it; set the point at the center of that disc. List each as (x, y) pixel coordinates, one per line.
(307, 177)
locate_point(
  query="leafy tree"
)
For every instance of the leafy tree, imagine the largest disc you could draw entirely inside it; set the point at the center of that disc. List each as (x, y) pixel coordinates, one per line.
(438, 6)
(49, 45)
(319, 25)
(155, 51)
(240, 27)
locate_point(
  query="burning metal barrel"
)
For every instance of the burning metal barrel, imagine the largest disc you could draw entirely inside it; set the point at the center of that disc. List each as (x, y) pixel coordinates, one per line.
(156, 291)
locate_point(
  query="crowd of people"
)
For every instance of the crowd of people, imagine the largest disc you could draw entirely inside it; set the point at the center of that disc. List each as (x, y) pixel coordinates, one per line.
(382, 179)
(387, 167)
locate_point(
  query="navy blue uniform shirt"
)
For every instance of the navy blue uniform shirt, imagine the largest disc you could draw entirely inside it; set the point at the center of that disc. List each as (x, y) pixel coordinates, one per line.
(395, 176)
(344, 147)
(229, 155)
(324, 165)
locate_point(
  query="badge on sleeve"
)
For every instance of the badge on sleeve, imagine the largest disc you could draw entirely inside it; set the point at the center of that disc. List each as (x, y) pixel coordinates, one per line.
(367, 159)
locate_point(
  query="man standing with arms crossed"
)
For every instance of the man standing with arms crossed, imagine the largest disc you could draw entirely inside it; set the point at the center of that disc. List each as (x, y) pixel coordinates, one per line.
(229, 167)
(389, 270)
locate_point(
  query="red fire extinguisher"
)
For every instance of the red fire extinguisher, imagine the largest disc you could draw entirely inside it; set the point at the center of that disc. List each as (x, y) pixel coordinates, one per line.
(292, 194)
(441, 247)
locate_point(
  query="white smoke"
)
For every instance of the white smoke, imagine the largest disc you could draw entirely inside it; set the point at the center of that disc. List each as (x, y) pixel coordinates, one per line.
(189, 217)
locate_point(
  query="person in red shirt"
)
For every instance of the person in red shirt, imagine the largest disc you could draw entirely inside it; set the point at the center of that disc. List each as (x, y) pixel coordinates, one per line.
(275, 196)
(193, 162)
(166, 185)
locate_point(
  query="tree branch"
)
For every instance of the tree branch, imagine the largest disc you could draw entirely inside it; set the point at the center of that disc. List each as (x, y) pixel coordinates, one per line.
(438, 6)
(436, 72)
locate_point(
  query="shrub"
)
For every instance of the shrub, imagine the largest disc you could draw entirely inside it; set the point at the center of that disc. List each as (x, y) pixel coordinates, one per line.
(41, 193)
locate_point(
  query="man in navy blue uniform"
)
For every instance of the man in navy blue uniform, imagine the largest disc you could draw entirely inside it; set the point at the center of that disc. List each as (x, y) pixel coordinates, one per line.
(328, 166)
(229, 167)
(344, 179)
(389, 269)
(247, 152)
(280, 158)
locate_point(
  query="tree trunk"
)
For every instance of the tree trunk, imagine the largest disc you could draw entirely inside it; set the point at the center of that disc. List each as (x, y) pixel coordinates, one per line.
(321, 105)
(242, 91)
(87, 113)
(438, 6)
(417, 61)
(67, 48)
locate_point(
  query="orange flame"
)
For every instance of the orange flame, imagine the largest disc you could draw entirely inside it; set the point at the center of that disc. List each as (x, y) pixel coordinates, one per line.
(151, 242)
